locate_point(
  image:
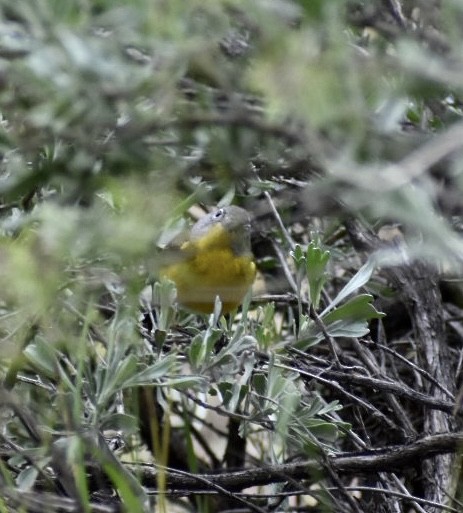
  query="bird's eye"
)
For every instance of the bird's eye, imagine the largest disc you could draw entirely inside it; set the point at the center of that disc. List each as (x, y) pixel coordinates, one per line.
(218, 213)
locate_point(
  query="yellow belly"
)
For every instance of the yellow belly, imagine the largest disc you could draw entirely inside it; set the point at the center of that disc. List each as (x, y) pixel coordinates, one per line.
(215, 272)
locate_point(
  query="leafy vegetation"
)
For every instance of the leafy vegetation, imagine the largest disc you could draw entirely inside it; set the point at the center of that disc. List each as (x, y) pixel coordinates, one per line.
(335, 387)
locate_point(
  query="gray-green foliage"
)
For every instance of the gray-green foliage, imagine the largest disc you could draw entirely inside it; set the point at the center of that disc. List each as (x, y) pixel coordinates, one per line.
(117, 116)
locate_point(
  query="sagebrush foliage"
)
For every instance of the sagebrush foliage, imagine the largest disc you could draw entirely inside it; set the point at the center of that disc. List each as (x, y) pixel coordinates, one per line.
(117, 120)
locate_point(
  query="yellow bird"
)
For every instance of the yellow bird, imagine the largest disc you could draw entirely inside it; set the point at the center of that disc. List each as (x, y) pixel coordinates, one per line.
(215, 261)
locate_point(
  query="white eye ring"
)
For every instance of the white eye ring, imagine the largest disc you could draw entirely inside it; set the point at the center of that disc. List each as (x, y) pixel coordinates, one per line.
(218, 213)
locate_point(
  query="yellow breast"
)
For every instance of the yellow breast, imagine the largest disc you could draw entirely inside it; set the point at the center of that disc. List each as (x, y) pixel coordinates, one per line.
(210, 269)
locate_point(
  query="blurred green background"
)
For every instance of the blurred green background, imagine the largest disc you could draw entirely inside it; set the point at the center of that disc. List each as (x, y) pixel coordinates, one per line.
(116, 117)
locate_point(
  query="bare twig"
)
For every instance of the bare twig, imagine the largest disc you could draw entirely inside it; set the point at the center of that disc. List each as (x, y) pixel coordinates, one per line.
(385, 459)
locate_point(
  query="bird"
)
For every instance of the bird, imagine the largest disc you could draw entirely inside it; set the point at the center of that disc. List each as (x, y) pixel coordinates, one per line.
(215, 260)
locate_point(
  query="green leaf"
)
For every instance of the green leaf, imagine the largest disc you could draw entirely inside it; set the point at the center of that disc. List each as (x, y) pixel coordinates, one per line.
(265, 328)
(329, 407)
(181, 382)
(259, 383)
(298, 255)
(116, 378)
(200, 351)
(124, 371)
(347, 328)
(309, 334)
(314, 407)
(195, 351)
(127, 487)
(289, 402)
(27, 478)
(356, 309)
(323, 430)
(164, 294)
(316, 262)
(128, 424)
(235, 347)
(152, 373)
(226, 391)
(43, 357)
(358, 280)
(232, 394)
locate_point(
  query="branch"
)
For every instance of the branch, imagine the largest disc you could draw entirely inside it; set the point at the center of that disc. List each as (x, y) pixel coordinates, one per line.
(387, 459)
(398, 389)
